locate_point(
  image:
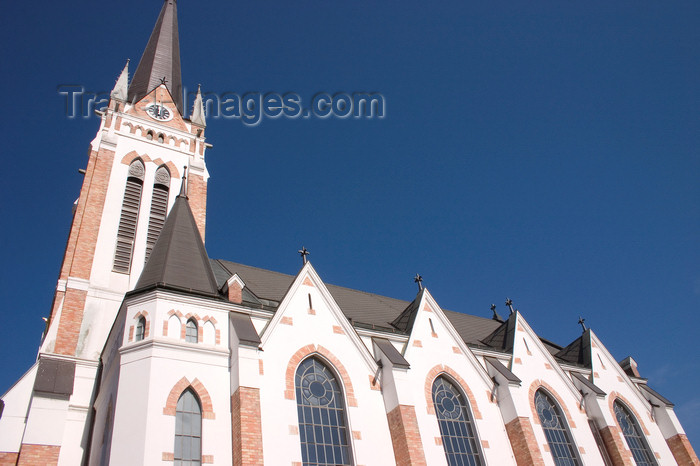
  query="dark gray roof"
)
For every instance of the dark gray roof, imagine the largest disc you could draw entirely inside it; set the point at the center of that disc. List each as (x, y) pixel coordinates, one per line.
(364, 309)
(591, 386)
(503, 370)
(655, 394)
(502, 337)
(179, 260)
(391, 353)
(55, 376)
(160, 59)
(245, 330)
(405, 320)
(579, 351)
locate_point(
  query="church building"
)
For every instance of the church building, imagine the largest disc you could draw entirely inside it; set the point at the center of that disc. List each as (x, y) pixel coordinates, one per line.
(157, 354)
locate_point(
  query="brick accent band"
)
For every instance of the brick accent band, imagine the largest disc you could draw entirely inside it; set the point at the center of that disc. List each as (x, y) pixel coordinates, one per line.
(246, 430)
(405, 436)
(682, 450)
(522, 440)
(38, 455)
(8, 459)
(615, 445)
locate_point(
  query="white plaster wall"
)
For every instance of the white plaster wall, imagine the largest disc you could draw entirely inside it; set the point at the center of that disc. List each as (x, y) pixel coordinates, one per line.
(278, 414)
(14, 415)
(610, 377)
(149, 371)
(534, 366)
(435, 351)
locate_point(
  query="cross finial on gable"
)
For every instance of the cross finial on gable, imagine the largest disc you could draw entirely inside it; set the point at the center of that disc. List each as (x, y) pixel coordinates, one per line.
(509, 303)
(495, 314)
(581, 323)
(304, 252)
(418, 279)
(164, 80)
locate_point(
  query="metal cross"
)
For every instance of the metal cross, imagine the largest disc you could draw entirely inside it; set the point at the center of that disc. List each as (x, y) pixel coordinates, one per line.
(304, 252)
(183, 185)
(164, 80)
(509, 303)
(418, 279)
(581, 323)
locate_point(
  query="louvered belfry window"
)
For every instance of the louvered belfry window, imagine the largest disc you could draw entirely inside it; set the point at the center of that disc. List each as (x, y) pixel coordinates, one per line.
(129, 217)
(159, 208)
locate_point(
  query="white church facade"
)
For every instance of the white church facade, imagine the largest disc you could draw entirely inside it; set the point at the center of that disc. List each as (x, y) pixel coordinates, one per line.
(156, 354)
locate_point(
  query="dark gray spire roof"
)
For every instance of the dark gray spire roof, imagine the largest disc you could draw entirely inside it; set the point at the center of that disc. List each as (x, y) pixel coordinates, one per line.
(179, 260)
(502, 337)
(579, 351)
(161, 59)
(407, 318)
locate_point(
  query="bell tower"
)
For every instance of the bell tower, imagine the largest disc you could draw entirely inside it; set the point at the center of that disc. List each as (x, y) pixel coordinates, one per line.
(146, 148)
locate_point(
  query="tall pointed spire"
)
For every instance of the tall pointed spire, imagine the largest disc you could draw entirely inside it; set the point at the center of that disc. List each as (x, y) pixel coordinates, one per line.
(160, 61)
(122, 86)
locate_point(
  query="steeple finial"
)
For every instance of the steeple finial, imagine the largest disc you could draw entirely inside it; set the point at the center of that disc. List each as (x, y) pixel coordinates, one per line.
(581, 323)
(198, 114)
(121, 88)
(509, 303)
(304, 252)
(183, 185)
(496, 316)
(419, 279)
(160, 62)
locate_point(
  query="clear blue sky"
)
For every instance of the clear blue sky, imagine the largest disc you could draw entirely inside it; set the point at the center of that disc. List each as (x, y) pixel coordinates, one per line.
(545, 151)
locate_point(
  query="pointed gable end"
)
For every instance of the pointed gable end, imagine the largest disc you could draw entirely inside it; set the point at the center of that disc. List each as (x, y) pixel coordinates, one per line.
(179, 260)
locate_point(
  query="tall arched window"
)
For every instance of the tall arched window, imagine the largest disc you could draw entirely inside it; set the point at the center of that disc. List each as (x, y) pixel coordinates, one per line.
(129, 217)
(321, 410)
(556, 430)
(456, 426)
(188, 430)
(191, 333)
(159, 207)
(140, 329)
(633, 435)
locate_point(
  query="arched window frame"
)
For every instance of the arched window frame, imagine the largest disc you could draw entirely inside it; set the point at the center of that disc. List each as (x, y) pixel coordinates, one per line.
(159, 207)
(558, 434)
(191, 331)
(140, 333)
(634, 436)
(321, 420)
(128, 220)
(460, 438)
(188, 429)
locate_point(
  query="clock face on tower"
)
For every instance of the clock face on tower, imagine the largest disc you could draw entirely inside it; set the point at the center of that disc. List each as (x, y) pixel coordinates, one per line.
(159, 112)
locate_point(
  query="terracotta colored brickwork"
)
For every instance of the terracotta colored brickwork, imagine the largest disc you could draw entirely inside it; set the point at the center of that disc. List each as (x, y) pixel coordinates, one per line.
(405, 436)
(70, 322)
(235, 293)
(428, 388)
(287, 321)
(170, 408)
(682, 450)
(308, 350)
(615, 445)
(246, 429)
(197, 194)
(522, 440)
(38, 455)
(80, 249)
(8, 459)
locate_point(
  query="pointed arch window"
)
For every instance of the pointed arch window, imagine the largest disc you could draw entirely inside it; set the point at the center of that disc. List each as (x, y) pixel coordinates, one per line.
(556, 430)
(633, 435)
(191, 332)
(188, 430)
(321, 410)
(140, 329)
(159, 208)
(126, 232)
(457, 430)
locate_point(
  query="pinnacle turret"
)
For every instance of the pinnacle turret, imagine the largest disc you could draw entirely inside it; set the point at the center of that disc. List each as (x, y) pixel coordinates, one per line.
(198, 114)
(121, 88)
